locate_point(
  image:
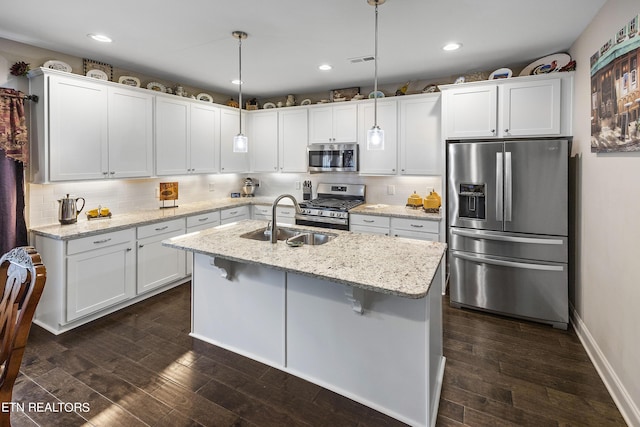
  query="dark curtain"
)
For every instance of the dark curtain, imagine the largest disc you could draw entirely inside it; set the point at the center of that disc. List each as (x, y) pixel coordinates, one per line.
(13, 154)
(13, 229)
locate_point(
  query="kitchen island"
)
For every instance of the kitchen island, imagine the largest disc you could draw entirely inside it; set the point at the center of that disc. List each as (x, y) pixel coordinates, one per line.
(356, 315)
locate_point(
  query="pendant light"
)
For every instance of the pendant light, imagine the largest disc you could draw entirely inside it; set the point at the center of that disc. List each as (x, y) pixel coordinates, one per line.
(375, 135)
(240, 141)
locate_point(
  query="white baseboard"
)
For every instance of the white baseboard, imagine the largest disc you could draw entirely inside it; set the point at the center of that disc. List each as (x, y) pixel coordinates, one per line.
(628, 408)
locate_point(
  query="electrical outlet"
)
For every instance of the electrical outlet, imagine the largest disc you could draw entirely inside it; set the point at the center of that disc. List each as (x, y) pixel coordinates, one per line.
(391, 190)
(211, 187)
(156, 193)
(298, 185)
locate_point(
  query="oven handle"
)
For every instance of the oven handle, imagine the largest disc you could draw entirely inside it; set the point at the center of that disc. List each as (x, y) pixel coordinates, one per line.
(504, 263)
(325, 220)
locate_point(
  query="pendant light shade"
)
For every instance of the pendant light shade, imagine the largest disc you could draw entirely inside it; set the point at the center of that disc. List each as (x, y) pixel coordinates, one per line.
(375, 135)
(240, 141)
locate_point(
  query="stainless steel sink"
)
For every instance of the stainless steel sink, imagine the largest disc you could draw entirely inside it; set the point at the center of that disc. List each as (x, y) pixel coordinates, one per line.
(295, 236)
(311, 238)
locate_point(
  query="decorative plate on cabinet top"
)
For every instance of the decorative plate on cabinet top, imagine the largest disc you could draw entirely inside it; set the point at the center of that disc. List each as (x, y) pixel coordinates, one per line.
(157, 87)
(545, 65)
(97, 74)
(129, 81)
(57, 65)
(305, 102)
(377, 94)
(204, 97)
(269, 105)
(500, 73)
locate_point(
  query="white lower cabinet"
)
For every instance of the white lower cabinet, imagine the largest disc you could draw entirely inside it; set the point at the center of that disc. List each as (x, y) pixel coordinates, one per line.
(198, 223)
(101, 271)
(157, 264)
(230, 215)
(372, 224)
(415, 229)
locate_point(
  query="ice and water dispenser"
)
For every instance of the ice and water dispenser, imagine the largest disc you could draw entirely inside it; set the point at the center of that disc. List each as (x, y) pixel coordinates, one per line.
(472, 201)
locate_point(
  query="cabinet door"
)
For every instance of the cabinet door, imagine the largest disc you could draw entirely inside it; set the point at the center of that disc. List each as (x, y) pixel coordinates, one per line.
(421, 149)
(130, 133)
(157, 264)
(345, 123)
(77, 129)
(321, 125)
(531, 108)
(379, 162)
(172, 136)
(293, 137)
(264, 141)
(231, 162)
(100, 278)
(204, 139)
(471, 111)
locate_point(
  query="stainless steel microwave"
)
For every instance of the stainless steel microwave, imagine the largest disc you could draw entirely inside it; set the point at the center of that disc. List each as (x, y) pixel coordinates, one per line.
(333, 157)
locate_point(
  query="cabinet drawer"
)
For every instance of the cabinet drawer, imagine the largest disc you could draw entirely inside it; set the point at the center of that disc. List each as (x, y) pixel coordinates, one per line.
(261, 211)
(419, 225)
(369, 220)
(203, 219)
(160, 228)
(369, 230)
(100, 241)
(234, 212)
(285, 212)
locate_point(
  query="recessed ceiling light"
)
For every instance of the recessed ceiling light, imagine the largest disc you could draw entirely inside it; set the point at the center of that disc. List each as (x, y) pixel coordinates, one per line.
(452, 46)
(325, 67)
(100, 38)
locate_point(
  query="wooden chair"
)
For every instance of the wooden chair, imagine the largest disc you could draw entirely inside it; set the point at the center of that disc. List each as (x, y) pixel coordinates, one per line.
(25, 276)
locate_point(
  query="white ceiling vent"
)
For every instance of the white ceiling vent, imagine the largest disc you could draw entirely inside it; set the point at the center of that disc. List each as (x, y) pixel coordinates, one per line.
(358, 59)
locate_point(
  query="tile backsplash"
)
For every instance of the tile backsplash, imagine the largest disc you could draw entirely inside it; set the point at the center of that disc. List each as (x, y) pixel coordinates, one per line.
(122, 196)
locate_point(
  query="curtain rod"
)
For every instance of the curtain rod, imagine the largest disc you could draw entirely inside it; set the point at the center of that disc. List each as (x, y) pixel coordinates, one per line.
(33, 98)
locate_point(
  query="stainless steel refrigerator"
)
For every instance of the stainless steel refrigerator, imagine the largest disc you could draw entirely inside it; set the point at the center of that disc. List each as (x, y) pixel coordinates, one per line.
(508, 227)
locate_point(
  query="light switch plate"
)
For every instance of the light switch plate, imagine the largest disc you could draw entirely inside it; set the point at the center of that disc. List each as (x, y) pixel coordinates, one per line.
(391, 190)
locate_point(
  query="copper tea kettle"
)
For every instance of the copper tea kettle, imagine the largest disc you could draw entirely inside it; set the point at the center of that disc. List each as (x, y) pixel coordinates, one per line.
(68, 209)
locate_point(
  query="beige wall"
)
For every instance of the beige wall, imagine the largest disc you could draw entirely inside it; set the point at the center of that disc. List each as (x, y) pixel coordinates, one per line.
(607, 291)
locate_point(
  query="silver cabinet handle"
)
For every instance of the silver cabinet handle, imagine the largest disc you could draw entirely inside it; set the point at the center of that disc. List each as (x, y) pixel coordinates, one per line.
(141, 246)
(129, 249)
(203, 219)
(368, 220)
(112, 172)
(493, 131)
(233, 212)
(105, 173)
(99, 242)
(417, 225)
(162, 228)
(505, 263)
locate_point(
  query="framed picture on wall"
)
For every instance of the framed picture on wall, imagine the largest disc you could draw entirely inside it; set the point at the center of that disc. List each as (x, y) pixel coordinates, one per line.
(90, 64)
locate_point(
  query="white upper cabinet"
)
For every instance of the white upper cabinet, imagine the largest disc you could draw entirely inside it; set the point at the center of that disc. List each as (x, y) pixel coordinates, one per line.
(379, 162)
(187, 134)
(263, 140)
(204, 138)
(130, 133)
(231, 162)
(85, 129)
(293, 137)
(333, 124)
(172, 136)
(518, 107)
(421, 150)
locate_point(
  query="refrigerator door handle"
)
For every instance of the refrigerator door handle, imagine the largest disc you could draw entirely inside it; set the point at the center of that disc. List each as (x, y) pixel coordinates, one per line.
(511, 239)
(508, 187)
(499, 186)
(505, 263)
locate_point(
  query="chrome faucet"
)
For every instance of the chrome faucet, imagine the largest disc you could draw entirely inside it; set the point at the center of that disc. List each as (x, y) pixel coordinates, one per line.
(274, 227)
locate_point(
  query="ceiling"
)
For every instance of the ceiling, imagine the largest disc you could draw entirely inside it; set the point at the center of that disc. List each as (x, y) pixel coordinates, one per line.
(190, 41)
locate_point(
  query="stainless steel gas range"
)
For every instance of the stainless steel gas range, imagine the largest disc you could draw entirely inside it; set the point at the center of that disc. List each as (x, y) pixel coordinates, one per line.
(331, 207)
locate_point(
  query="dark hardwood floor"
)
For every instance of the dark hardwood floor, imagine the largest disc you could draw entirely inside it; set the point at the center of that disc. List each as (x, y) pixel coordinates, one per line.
(139, 367)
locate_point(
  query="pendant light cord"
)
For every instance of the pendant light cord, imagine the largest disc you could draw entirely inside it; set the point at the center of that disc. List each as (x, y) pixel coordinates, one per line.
(375, 73)
(240, 83)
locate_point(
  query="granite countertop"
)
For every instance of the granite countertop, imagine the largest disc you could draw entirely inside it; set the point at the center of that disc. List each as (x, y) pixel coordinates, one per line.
(84, 228)
(391, 265)
(398, 211)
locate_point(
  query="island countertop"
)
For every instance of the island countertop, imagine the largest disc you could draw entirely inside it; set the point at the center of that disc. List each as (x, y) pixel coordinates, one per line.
(391, 265)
